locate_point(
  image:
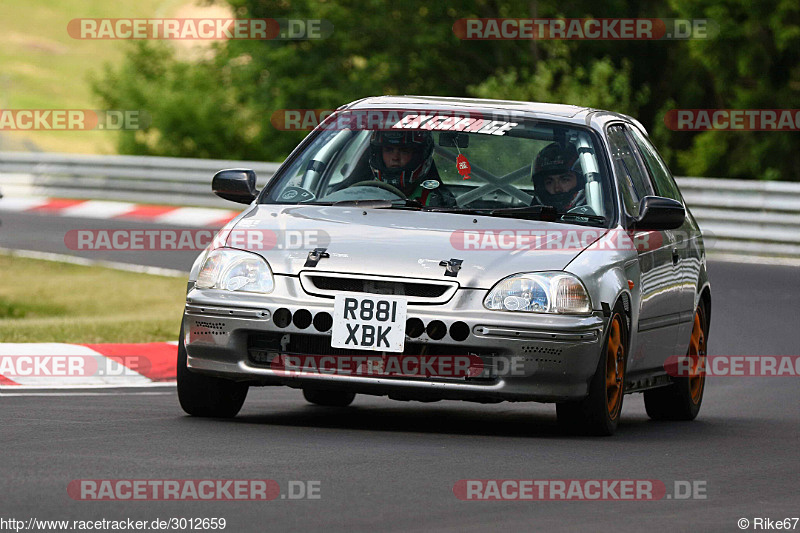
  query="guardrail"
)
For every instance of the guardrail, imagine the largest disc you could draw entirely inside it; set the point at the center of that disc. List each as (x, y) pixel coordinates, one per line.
(746, 217)
(142, 179)
(737, 216)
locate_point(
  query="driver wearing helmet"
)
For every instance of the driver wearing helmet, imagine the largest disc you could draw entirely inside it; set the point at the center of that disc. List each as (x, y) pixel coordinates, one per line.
(555, 181)
(404, 159)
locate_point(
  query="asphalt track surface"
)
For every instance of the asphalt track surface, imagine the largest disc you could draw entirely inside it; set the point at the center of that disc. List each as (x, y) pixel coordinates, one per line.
(391, 466)
(31, 231)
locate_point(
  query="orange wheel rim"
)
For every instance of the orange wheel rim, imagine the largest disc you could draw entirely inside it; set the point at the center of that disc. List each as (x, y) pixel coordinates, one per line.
(697, 354)
(615, 367)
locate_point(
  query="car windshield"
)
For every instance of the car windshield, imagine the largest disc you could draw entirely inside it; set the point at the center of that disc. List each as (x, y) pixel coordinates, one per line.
(450, 162)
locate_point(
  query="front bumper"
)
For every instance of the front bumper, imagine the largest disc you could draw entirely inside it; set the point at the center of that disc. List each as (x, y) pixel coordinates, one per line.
(526, 357)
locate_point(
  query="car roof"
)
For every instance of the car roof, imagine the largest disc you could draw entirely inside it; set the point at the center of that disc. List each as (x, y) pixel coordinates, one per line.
(446, 103)
(562, 112)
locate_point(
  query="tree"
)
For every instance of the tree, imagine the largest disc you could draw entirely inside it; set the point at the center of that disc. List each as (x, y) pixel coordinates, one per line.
(221, 106)
(754, 63)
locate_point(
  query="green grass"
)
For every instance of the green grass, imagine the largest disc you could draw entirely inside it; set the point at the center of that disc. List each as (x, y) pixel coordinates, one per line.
(45, 68)
(45, 301)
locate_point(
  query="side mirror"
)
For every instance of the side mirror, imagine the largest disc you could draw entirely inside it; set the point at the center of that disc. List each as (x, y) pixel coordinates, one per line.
(236, 185)
(659, 213)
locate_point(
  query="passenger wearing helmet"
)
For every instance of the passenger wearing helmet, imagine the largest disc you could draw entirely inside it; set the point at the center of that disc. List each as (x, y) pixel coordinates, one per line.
(555, 182)
(404, 159)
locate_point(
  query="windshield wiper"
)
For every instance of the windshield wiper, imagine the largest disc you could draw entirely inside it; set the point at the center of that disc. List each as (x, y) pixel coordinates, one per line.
(369, 204)
(546, 213)
(588, 218)
(531, 212)
(366, 204)
(379, 204)
(409, 203)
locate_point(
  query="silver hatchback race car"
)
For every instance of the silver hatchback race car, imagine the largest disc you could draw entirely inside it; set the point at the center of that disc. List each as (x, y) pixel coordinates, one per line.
(438, 248)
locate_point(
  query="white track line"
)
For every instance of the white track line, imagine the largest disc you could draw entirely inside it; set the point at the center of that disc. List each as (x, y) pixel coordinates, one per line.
(106, 372)
(754, 259)
(194, 216)
(62, 394)
(97, 209)
(20, 388)
(62, 258)
(21, 204)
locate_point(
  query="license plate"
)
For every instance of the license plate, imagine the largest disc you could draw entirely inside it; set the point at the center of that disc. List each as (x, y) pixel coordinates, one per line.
(373, 322)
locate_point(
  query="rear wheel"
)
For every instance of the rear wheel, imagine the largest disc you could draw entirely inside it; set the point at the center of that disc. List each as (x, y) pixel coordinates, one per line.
(329, 398)
(207, 396)
(598, 413)
(682, 399)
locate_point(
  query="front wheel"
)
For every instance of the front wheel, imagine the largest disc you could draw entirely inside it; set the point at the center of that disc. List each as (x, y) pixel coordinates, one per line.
(682, 399)
(207, 396)
(598, 413)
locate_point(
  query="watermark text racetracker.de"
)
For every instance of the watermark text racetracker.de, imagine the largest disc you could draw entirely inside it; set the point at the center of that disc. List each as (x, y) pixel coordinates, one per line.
(73, 119)
(158, 239)
(73, 365)
(584, 29)
(733, 365)
(387, 365)
(577, 239)
(192, 490)
(198, 29)
(578, 490)
(733, 119)
(493, 123)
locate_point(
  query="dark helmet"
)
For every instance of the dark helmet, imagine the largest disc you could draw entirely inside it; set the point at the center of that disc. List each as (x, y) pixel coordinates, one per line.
(417, 167)
(555, 159)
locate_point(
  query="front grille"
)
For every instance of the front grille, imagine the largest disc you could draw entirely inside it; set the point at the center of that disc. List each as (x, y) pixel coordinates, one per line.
(378, 287)
(416, 291)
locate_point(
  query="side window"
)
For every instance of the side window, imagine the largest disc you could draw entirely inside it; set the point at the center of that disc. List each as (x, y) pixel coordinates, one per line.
(665, 184)
(295, 175)
(352, 160)
(633, 183)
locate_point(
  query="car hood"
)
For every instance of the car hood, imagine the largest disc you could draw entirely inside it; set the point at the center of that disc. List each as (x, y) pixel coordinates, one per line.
(406, 243)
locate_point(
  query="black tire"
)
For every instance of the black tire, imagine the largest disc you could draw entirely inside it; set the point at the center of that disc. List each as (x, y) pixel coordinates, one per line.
(598, 414)
(329, 398)
(207, 396)
(682, 399)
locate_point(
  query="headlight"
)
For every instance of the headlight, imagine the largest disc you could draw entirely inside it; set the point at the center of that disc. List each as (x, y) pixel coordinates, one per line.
(540, 292)
(235, 270)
